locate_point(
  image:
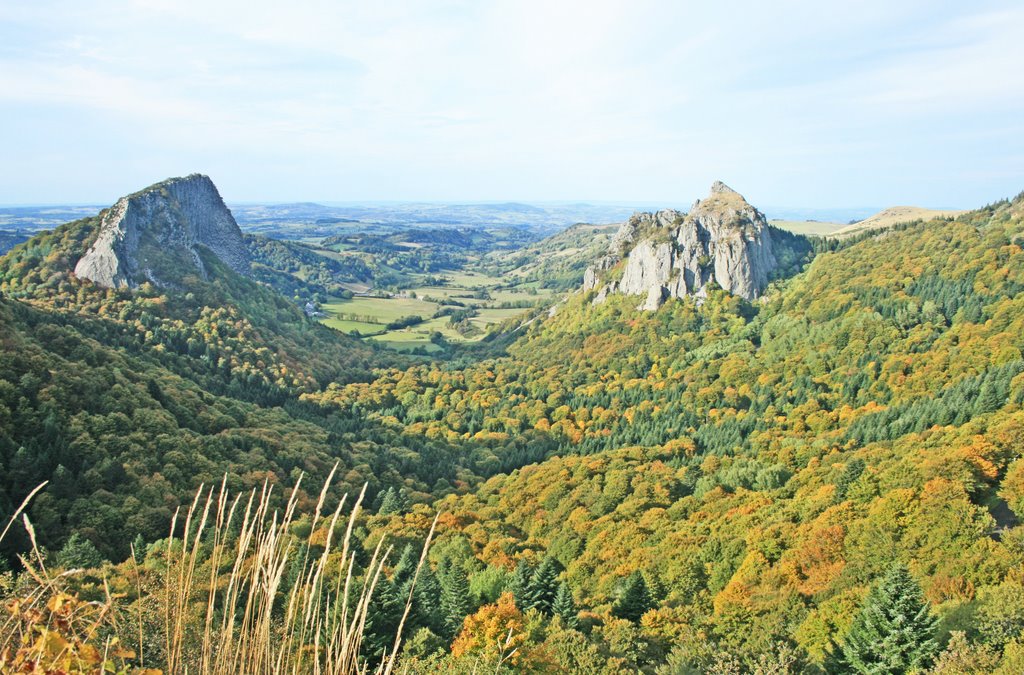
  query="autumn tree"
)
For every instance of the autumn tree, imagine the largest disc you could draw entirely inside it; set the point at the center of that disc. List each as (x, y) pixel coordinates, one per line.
(494, 633)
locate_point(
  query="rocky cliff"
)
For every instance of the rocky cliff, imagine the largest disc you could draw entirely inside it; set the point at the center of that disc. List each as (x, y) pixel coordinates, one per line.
(156, 235)
(669, 254)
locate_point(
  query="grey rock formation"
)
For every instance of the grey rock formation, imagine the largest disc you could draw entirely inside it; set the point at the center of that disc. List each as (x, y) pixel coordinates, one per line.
(670, 254)
(154, 235)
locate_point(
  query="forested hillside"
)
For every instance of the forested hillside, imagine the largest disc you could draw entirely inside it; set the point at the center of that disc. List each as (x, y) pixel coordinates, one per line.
(761, 465)
(716, 486)
(128, 400)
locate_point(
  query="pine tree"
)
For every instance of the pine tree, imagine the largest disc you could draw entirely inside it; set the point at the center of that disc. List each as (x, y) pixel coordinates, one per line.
(455, 602)
(564, 606)
(139, 546)
(635, 599)
(894, 631)
(851, 472)
(988, 399)
(405, 568)
(404, 503)
(389, 503)
(520, 583)
(79, 552)
(543, 586)
(382, 617)
(655, 587)
(426, 610)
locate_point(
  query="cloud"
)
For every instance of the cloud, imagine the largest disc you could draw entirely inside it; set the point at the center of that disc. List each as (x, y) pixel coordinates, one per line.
(638, 100)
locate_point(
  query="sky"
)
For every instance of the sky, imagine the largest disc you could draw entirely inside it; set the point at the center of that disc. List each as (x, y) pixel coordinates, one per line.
(812, 104)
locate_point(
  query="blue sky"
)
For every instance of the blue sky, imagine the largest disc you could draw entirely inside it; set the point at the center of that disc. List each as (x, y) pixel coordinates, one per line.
(793, 103)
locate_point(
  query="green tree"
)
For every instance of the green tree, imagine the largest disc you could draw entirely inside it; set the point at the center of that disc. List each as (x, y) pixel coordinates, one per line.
(382, 617)
(635, 599)
(79, 552)
(455, 600)
(564, 606)
(851, 472)
(426, 610)
(389, 503)
(139, 546)
(543, 586)
(405, 568)
(894, 631)
(520, 583)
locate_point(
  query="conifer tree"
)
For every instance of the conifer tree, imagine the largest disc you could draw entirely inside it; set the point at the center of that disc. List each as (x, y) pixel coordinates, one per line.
(405, 568)
(404, 503)
(426, 608)
(635, 599)
(565, 607)
(455, 601)
(851, 472)
(520, 583)
(79, 552)
(894, 631)
(988, 399)
(655, 587)
(543, 586)
(382, 617)
(139, 545)
(389, 502)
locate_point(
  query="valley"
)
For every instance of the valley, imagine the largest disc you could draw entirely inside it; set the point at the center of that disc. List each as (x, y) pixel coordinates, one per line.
(511, 338)
(685, 442)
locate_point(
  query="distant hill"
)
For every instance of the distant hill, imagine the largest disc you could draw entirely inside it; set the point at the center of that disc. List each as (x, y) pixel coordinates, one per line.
(817, 228)
(893, 215)
(557, 261)
(9, 239)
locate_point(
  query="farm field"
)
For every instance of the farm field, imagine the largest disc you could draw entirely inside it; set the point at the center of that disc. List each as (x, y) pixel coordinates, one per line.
(465, 291)
(818, 228)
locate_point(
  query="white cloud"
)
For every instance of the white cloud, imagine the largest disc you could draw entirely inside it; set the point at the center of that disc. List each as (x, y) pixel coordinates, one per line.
(603, 99)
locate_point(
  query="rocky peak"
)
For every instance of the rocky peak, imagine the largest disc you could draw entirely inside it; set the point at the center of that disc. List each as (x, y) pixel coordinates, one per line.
(669, 254)
(156, 234)
(720, 188)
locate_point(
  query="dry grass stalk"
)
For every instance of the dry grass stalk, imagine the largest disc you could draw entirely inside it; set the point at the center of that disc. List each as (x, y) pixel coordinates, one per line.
(237, 595)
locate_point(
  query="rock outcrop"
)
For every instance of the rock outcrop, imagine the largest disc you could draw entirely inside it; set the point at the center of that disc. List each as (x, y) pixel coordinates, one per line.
(155, 235)
(669, 254)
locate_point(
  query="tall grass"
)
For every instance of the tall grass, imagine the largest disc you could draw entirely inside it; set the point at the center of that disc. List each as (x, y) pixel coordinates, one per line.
(240, 593)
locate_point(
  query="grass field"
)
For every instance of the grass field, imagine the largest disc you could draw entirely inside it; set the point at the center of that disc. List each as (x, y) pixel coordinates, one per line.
(368, 315)
(380, 310)
(893, 215)
(810, 227)
(346, 326)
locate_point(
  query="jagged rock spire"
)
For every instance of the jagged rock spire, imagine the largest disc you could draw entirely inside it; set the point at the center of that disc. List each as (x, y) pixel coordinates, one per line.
(723, 239)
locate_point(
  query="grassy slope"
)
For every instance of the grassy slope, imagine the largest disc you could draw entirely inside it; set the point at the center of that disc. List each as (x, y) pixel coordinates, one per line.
(892, 216)
(808, 227)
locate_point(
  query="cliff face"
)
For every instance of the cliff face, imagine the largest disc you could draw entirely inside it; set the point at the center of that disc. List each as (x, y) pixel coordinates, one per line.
(670, 254)
(154, 235)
